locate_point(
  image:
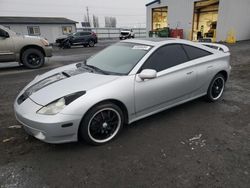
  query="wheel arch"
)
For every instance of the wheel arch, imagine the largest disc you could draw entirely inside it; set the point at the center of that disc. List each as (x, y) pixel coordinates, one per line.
(30, 47)
(224, 73)
(120, 104)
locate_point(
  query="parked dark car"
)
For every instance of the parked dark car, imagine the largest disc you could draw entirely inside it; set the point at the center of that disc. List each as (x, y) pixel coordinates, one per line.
(85, 38)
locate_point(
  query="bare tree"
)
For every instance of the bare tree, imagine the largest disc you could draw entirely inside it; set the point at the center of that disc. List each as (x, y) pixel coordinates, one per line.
(95, 21)
(85, 18)
(107, 22)
(113, 21)
(110, 22)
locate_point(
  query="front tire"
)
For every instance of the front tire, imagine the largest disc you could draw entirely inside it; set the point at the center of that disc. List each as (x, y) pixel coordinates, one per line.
(216, 88)
(67, 44)
(33, 58)
(101, 124)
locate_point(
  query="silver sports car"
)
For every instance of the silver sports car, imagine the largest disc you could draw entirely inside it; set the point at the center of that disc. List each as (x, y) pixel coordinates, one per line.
(123, 83)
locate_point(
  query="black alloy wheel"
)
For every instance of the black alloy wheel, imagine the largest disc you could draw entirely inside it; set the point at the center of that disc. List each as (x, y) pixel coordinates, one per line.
(216, 88)
(101, 124)
(32, 58)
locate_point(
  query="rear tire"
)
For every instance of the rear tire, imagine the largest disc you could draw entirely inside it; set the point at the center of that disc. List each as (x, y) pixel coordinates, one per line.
(216, 88)
(91, 43)
(101, 124)
(33, 58)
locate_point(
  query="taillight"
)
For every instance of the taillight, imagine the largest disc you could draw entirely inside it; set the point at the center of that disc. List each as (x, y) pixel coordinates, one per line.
(94, 34)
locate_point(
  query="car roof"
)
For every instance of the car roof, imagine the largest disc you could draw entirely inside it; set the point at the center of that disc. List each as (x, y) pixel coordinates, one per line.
(152, 41)
(157, 42)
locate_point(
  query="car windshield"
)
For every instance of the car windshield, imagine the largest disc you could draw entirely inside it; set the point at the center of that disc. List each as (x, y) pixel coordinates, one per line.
(119, 58)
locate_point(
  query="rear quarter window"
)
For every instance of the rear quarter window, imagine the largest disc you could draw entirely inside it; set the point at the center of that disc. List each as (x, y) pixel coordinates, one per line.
(195, 53)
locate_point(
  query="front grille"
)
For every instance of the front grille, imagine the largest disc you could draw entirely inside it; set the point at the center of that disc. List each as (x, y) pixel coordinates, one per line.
(124, 33)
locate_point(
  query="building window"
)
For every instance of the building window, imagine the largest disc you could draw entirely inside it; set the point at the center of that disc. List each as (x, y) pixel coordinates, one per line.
(33, 30)
(205, 19)
(159, 18)
(66, 30)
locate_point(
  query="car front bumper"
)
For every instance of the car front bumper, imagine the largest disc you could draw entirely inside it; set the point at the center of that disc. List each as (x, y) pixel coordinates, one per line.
(59, 128)
(48, 51)
(124, 37)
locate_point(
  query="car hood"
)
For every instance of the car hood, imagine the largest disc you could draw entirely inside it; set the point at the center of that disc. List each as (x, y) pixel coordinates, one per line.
(32, 37)
(63, 37)
(64, 81)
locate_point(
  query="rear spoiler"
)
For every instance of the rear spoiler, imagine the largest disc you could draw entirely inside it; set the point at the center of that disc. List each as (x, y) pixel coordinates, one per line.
(216, 46)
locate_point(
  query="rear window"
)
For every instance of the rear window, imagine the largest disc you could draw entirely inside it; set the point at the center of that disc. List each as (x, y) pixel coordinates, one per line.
(85, 33)
(195, 53)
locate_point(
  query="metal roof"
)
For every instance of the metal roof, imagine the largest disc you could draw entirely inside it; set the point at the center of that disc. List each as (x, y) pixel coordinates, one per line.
(156, 1)
(35, 20)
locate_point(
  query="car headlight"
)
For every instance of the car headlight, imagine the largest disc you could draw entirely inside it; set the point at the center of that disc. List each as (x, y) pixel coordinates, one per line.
(45, 42)
(58, 105)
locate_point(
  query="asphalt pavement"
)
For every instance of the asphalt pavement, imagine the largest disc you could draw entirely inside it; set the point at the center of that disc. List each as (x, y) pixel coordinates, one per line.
(197, 144)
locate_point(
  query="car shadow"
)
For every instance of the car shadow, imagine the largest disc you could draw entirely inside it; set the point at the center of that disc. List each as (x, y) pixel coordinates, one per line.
(140, 125)
(10, 66)
(16, 67)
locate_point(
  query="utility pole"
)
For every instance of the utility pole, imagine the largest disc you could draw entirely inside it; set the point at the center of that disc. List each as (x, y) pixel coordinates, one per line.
(87, 8)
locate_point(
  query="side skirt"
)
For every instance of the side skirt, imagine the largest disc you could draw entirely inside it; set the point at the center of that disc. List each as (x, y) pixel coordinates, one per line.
(133, 119)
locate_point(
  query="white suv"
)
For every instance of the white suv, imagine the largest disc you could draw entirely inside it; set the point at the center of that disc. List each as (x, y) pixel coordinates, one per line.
(126, 34)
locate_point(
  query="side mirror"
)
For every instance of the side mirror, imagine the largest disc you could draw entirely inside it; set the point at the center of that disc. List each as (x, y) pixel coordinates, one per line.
(148, 74)
(4, 34)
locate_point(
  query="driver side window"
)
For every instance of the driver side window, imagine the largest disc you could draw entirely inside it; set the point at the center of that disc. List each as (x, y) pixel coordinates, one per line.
(3, 33)
(166, 57)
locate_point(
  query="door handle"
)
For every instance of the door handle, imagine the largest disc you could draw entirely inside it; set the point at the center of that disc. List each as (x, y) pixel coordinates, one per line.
(188, 73)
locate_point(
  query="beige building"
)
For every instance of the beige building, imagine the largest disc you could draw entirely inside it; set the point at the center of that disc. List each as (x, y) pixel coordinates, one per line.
(47, 27)
(201, 18)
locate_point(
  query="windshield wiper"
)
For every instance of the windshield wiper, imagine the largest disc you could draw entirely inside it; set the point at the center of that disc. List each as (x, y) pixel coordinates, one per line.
(96, 69)
(90, 67)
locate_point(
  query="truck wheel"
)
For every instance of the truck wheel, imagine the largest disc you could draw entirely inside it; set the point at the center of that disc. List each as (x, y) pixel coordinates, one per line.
(33, 58)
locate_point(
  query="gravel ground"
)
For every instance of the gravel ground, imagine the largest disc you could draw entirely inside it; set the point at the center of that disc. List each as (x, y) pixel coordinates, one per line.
(197, 144)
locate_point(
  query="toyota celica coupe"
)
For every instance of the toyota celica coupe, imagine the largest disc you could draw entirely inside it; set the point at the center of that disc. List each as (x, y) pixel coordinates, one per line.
(123, 83)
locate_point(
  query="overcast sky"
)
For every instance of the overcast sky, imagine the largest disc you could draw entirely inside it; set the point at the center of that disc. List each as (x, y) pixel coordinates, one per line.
(128, 13)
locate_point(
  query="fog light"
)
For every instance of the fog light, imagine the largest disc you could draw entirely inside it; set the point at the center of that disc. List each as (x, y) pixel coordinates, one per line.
(40, 136)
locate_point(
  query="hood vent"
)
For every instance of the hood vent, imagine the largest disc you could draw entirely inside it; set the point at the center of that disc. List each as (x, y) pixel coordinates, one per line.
(41, 84)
